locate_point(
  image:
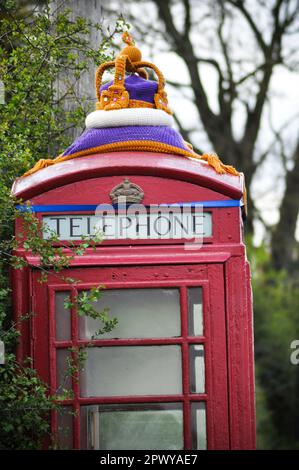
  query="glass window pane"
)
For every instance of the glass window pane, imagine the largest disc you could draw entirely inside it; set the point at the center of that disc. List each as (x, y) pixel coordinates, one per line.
(198, 426)
(64, 381)
(133, 427)
(63, 317)
(197, 369)
(195, 311)
(65, 427)
(132, 370)
(141, 313)
(85, 427)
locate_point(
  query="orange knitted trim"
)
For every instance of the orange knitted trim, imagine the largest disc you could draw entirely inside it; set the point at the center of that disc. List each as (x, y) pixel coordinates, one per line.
(137, 145)
(99, 74)
(127, 38)
(132, 104)
(160, 98)
(140, 104)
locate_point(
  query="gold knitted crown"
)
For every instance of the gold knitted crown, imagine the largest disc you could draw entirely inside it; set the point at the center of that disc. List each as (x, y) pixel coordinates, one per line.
(116, 96)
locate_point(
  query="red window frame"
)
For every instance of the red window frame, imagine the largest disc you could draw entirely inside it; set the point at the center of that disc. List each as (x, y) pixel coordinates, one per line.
(210, 278)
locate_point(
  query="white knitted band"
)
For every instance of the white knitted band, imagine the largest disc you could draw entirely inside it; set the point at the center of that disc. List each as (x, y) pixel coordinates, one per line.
(128, 117)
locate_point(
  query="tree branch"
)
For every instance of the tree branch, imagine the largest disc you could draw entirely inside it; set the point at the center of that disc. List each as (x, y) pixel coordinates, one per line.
(187, 19)
(276, 133)
(283, 240)
(239, 4)
(225, 105)
(273, 57)
(185, 133)
(183, 46)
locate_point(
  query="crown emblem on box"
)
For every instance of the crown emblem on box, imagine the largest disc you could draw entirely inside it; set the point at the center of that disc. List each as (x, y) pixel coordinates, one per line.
(126, 192)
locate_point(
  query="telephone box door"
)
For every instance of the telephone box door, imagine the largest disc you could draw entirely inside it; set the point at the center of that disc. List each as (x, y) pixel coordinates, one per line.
(159, 379)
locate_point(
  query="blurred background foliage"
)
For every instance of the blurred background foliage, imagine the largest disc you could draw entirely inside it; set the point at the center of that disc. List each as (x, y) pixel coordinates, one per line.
(48, 54)
(276, 307)
(43, 54)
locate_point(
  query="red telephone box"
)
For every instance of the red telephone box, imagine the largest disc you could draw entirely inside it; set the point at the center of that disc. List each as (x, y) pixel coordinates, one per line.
(177, 371)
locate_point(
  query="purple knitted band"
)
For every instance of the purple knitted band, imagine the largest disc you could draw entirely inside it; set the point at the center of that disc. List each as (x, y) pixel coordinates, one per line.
(138, 88)
(97, 137)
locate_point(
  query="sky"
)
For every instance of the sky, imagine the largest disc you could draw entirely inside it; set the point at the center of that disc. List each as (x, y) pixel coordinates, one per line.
(268, 185)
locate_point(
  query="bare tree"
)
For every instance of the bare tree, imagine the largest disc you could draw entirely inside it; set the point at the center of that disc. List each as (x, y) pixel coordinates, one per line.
(242, 41)
(219, 33)
(284, 245)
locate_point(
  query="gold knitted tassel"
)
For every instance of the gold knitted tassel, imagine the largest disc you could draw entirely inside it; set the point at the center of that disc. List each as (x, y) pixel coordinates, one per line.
(214, 161)
(43, 163)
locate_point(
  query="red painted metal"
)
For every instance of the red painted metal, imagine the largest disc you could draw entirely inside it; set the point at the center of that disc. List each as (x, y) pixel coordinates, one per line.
(126, 164)
(144, 255)
(185, 366)
(198, 275)
(21, 306)
(240, 337)
(219, 267)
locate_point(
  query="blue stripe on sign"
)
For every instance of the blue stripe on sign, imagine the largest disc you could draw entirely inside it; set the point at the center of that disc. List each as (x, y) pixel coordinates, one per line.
(58, 208)
(229, 203)
(92, 207)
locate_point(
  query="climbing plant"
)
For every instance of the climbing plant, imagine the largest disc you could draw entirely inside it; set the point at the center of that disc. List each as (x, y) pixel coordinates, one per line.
(38, 47)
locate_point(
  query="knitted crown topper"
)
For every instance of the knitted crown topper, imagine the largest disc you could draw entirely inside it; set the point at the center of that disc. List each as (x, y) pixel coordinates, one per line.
(116, 96)
(132, 115)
